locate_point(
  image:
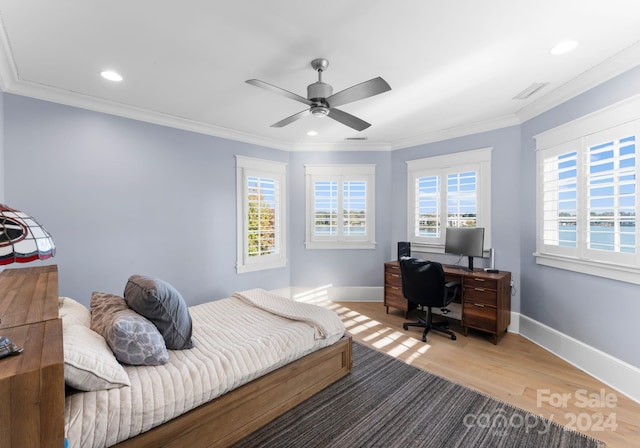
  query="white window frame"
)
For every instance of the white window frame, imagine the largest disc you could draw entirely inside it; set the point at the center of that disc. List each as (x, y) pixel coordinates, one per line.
(250, 167)
(578, 135)
(478, 160)
(340, 174)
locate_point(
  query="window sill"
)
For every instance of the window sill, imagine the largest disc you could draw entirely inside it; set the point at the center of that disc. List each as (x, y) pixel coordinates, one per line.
(339, 245)
(253, 267)
(607, 270)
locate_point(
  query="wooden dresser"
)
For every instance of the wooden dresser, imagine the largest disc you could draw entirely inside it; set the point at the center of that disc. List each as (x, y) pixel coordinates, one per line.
(32, 383)
(485, 297)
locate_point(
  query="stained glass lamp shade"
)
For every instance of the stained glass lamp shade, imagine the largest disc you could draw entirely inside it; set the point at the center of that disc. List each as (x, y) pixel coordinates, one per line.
(22, 239)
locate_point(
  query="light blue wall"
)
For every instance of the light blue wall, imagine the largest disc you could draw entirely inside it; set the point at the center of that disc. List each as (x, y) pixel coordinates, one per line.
(122, 197)
(320, 267)
(599, 312)
(505, 204)
(2, 147)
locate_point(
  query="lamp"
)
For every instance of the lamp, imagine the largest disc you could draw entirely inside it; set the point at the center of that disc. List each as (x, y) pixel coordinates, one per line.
(22, 240)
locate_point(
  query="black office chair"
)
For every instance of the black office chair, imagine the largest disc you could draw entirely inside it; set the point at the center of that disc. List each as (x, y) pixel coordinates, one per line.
(423, 283)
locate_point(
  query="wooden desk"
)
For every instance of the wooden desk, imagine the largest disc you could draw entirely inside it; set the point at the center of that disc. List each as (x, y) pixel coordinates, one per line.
(32, 383)
(485, 297)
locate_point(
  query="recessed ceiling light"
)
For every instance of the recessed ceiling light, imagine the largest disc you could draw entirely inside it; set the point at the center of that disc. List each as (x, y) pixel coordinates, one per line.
(111, 75)
(312, 133)
(564, 47)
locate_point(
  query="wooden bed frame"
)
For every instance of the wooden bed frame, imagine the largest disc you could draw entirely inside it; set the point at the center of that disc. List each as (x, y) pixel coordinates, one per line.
(32, 384)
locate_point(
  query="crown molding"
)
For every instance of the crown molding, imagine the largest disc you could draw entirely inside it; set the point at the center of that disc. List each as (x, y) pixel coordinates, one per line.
(621, 62)
(458, 131)
(68, 98)
(60, 96)
(11, 83)
(342, 146)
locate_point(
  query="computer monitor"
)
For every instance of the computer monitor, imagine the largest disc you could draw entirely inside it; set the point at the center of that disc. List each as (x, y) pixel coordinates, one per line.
(466, 241)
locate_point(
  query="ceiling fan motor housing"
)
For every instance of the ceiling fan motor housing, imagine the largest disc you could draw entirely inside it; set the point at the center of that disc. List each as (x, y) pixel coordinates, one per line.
(319, 91)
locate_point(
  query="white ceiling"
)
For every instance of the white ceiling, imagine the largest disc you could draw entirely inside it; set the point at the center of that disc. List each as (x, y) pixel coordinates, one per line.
(454, 66)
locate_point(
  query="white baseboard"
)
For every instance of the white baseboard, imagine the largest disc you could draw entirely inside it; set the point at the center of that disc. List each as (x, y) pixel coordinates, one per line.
(514, 326)
(612, 371)
(333, 293)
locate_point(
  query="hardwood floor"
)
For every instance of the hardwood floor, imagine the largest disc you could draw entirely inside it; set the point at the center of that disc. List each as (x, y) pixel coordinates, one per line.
(516, 371)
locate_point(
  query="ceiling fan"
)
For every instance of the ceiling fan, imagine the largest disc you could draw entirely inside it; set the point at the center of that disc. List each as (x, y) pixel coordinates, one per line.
(323, 102)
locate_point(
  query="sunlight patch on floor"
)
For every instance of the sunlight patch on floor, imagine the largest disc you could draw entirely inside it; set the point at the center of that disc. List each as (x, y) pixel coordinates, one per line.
(406, 346)
(335, 306)
(378, 334)
(419, 351)
(386, 339)
(359, 323)
(318, 296)
(398, 343)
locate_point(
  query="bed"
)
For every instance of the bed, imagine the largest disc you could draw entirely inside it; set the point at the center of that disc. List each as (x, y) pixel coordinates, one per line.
(32, 399)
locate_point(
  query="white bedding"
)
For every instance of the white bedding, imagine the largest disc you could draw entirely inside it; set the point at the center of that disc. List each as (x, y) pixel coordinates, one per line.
(235, 342)
(321, 319)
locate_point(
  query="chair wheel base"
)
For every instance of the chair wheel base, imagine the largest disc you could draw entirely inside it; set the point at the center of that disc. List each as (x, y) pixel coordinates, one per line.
(405, 326)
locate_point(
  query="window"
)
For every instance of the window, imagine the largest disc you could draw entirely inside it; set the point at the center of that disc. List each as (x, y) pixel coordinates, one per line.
(340, 206)
(587, 194)
(261, 187)
(453, 190)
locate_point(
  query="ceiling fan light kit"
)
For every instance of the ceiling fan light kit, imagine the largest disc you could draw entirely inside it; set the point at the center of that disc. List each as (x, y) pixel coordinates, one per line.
(321, 100)
(319, 111)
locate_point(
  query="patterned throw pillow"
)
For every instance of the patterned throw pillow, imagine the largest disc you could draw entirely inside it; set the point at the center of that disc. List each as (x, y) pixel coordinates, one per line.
(133, 339)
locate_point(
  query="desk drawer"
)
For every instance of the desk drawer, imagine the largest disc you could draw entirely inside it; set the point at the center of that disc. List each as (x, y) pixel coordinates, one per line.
(392, 277)
(393, 290)
(479, 315)
(480, 295)
(476, 282)
(393, 297)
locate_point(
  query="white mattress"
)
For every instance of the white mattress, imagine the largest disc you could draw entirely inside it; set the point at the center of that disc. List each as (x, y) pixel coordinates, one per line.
(235, 342)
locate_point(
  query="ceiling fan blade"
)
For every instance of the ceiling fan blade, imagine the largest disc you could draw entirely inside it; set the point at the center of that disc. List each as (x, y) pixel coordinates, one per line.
(278, 90)
(348, 119)
(360, 91)
(291, 119)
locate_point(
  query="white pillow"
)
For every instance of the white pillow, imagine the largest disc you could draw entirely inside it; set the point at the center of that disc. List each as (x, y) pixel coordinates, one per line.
(72, 312)
(89, 363)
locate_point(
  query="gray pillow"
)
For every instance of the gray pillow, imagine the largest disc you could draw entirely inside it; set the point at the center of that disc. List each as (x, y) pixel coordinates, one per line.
(163, 305)
(132, 338)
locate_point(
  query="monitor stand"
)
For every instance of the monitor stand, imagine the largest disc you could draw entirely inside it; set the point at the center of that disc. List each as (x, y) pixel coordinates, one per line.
(470, 269)
(470, 263)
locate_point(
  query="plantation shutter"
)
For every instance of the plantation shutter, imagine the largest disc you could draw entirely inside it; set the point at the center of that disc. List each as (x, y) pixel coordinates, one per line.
(262, 196)
(340, 206)
(587, 200)
(260, 214)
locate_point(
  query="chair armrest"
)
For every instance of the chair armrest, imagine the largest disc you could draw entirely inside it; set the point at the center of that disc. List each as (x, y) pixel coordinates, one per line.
(451, 291)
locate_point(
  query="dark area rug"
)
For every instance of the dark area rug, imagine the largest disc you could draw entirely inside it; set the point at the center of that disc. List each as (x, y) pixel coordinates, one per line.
(386, 403)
